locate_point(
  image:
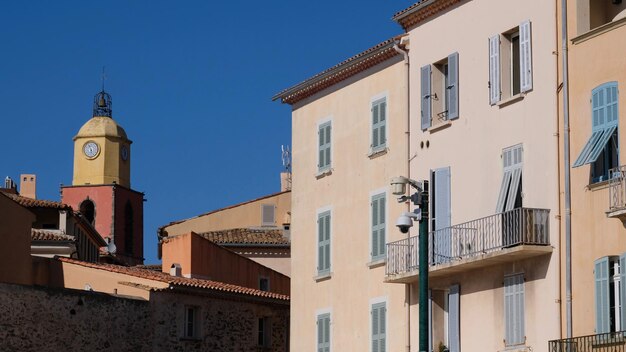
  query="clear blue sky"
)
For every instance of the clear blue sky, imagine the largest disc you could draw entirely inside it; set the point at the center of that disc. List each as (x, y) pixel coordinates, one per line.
(191, 83)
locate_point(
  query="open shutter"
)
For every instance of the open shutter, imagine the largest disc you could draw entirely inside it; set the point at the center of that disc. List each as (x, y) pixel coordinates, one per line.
(426, 101)
(601, 273)
(453, 86)
(494, 69)
(526, 71)
(454, 339)
(516, 179)
(622, 290)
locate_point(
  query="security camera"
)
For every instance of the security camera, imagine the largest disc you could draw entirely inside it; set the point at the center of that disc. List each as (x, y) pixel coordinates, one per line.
(405, 221)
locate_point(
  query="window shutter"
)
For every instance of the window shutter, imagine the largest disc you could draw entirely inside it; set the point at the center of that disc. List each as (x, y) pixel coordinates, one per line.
(327, 242)
(453, 86)
(514, 310)
(268, 214)
(516, 179)
(323, 333)
(454, 321)
(375, 120)
(494, 69)
(622, 290)
(378, 327)
(382, 136)
(323, 248)
(378, 226)
(378, 123)
(442, 198)
(322, 141)
(327, 158)
(327, 333)
(526, 71)
(601, 273)
(320, 243)
(426, 101)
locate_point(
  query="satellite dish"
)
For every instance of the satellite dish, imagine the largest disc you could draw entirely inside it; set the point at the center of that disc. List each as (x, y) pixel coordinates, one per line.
(111, 247)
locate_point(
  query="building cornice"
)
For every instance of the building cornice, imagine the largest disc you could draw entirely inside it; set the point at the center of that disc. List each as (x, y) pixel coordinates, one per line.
(421, 11)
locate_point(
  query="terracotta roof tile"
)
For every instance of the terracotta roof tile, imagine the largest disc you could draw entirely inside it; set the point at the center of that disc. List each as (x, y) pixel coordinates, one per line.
(247, 236)
(421, 11)
(178, 281)
(37, 203)
(345, 69)
(50, 235)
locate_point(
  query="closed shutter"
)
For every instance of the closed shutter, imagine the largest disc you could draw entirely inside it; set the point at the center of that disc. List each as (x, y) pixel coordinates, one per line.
(378, 226)
(268, 214)
(379, 313)
(514, 310)
(442, 201)
(323, 333)
(324, 146)
(379, 117)
(454, 319)
(426, 101)
(526, 71)
(602, 294)
(323, 251)
(453, 86)
(622, 290)
(494, 69)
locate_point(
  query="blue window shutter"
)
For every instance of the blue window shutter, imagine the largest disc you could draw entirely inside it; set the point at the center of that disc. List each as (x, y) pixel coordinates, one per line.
(494, 69)
(525, 43)
(453, 86)
(601, 274)
(378, 226)
(425, 97)
(378, 327)
(454, 319)
(323, 333)
(323, 248)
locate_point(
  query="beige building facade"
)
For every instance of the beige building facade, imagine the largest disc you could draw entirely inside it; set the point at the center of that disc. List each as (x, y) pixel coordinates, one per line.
(349, 138)
(597, 73)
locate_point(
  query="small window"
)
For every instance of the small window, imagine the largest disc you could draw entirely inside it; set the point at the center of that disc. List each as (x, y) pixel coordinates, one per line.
(510, 63)
(192, 322)
(379, 125)
(264, 284)
(324, 147)
(264, 332)
(268, 214)
(510, 196)
(440, 91)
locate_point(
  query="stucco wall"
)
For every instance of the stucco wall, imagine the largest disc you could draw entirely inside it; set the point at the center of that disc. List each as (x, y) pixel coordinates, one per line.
(15, 225)
(347, 192)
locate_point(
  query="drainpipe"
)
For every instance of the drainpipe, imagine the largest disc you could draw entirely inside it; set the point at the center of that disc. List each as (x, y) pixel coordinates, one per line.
(566, 166)
(407, 289)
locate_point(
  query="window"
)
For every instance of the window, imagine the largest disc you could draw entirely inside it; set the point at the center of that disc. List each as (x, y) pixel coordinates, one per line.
(379, 122)
(514, 310)
(510, 63)
(323, 243)
(439, 84)
(324, 147)
(378, 226)
(440, 215)
(192, 321)
(264, 284)
(379, 327)
(510, 196)
(592, 14)
(610, 294)
(267, 215)
(88, 210)
(264, 332)
(323, 332)
(601, 149)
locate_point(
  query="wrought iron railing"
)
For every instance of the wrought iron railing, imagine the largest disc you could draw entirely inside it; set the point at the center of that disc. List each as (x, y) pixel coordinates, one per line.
(473, 238)
(617, 188)
(611, 341)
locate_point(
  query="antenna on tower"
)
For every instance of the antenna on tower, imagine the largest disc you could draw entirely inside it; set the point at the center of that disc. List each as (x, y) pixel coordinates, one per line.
(104, 76)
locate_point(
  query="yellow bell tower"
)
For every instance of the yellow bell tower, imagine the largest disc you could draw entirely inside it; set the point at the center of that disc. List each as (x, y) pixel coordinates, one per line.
(101, 148)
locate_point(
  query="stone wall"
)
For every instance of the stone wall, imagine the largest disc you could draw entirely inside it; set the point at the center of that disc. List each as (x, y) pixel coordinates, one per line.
(45, 319)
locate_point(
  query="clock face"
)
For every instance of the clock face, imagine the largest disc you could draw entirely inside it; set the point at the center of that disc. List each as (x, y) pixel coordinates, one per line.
(124, 152)
(91, 149)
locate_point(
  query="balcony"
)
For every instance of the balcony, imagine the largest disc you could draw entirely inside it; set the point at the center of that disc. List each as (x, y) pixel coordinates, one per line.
(612, 341)
(513, 235)
(617, 193)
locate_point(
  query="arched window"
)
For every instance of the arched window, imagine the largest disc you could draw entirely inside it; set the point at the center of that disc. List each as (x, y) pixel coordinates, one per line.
(88, 209)
(128, 228)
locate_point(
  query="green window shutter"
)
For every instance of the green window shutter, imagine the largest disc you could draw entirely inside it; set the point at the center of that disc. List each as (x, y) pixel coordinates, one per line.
(323, 332)
(323, 242)
(525, 56)
(378, 338)
(324, 146)
(602, 295)
(379, 112)
(378, 226)
(425, 96)
(494, 69)
(453, 86)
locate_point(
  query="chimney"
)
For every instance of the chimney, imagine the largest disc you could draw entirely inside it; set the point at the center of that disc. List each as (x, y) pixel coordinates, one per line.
(28, 186)
(9, 186)
(285, 181)
(176, 270)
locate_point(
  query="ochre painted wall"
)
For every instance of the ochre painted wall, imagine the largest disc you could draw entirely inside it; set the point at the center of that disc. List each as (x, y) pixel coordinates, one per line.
(15, 225)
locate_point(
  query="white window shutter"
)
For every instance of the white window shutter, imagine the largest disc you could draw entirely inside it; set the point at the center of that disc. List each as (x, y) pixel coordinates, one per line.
(622, 289)
(602, 294)
(526, 71)
(494, 69)
(453, 86)
(454, 319)
(425, 97)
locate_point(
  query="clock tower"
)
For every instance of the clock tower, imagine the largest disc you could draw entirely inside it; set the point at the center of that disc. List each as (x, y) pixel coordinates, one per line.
(101, 188)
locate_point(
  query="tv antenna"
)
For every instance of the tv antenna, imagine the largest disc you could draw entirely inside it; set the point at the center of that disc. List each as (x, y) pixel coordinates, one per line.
(286, 155)
(104, 76)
